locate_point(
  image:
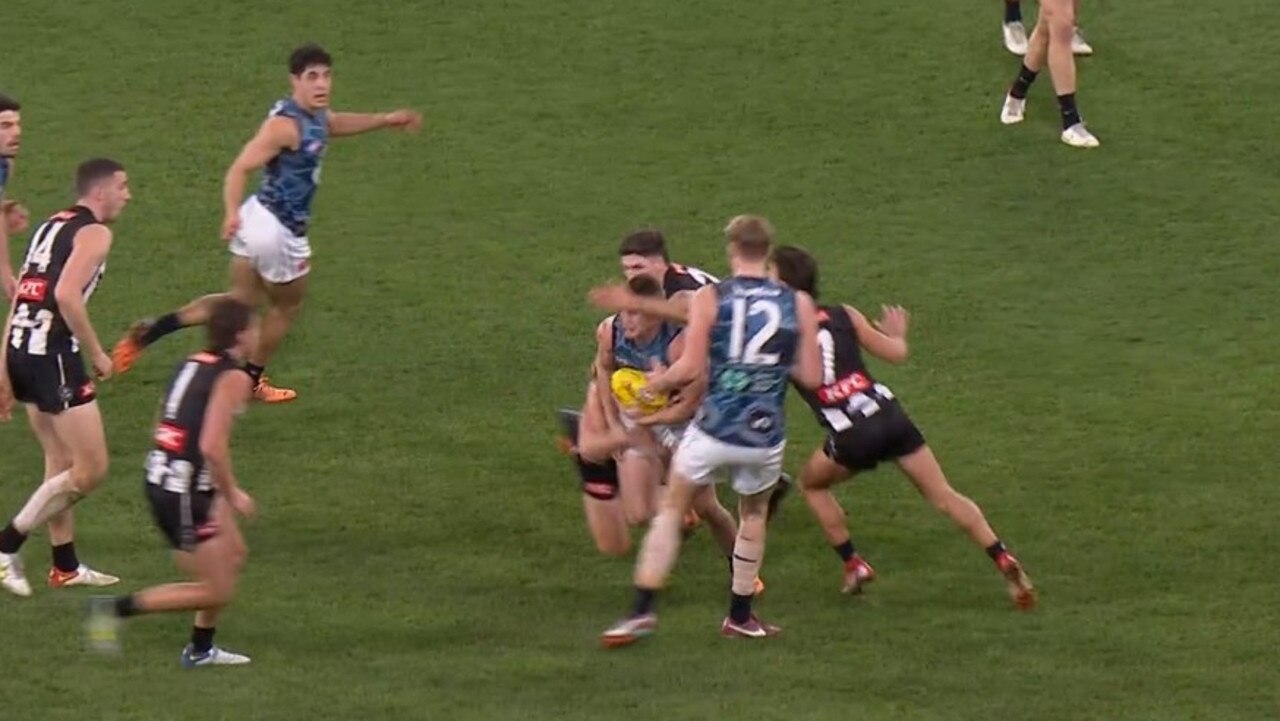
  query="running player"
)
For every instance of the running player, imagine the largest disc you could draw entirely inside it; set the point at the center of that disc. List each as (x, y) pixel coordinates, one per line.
(10, 141)
(46, 331)
(193, 492)
(746, 334)
(1015, 33)
(641, 252)
(271, 255)
(1051, 42)
(866, 425)
(639, 445)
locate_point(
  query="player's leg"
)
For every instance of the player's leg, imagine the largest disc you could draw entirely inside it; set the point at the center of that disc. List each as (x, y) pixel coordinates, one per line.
(284, 304)
(1057, 21)
(80, 430)
(245, 286)
(926, 474)
(1015, 101)
(67, 569)
(820, 473)
(658, 553)
(213, 563)
(1015, 33)
(640, 470)
(754, 473)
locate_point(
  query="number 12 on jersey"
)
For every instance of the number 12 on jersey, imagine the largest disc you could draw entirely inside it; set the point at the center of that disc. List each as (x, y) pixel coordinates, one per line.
(750, 351)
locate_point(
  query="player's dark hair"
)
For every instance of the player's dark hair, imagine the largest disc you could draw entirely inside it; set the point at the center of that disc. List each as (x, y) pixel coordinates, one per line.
(646, 285)
(228, 319)
(7, 103)
(751, 235)
(647, 242)
(307, 56)
(94, 171)
(796, 268)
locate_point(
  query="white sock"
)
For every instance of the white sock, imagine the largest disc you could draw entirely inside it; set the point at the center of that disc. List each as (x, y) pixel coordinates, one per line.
(54, 496)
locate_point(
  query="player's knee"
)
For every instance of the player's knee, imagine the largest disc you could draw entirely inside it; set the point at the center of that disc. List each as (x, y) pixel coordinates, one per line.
(617, 547)
(89, 472)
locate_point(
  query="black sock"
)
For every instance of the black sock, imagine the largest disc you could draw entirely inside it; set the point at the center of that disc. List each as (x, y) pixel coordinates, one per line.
(1012, 11)
(255, 372)
(11, 540)
(845, 550)
(201, 639)
(740, 608)
(125, 607)
(996, 550)
(64, 557)
(161, 327)
(644, 601)
(1070, 114)
(1026, 76)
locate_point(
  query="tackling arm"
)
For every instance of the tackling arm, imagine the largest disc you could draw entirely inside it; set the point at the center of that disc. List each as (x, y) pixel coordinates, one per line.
(692, 363)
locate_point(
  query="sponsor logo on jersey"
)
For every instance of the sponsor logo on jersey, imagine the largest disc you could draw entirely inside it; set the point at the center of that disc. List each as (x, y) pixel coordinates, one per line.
(170, 437)
(33, 289)
(843, 389)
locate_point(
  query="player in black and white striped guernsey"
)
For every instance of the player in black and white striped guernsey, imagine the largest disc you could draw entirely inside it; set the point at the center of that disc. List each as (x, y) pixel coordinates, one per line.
(193, 492)
(867, 425)
(47, 327)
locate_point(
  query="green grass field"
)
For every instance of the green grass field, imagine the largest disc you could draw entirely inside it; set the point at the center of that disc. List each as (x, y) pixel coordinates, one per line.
(1094, 341)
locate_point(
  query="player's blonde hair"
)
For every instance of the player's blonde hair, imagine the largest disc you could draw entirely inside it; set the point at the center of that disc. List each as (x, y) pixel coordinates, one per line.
(750, 235)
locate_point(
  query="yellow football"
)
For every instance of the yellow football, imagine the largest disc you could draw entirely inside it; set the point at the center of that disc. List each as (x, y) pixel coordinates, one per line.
(627, 383)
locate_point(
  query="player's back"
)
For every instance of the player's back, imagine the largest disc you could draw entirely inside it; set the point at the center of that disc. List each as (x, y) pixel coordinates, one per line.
(753, 345)
(848, 392)
(176, 461)
(38, 327)
(290, 179)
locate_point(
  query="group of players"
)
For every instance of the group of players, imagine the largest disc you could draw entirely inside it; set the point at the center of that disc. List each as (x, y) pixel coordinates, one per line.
(722, 353)
(189, 483)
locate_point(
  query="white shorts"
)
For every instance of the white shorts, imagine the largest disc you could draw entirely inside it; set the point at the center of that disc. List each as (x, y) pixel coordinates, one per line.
(277, 254)
(701, 459)
(667, 436)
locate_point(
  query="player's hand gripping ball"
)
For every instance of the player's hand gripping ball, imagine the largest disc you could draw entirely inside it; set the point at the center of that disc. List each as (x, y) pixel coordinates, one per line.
(627, 383)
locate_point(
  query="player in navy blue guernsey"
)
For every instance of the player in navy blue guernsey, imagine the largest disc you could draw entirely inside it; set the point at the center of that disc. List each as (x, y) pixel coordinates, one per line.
(867, 425)
(642, 253)
(10, 141)
(271, 254)
(747, 334)
(640, 445)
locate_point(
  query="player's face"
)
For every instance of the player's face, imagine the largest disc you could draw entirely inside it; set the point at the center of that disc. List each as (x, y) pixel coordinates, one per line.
(114, 195)
(312, 86)
(638, 325)
(10, 132)
(633, 265)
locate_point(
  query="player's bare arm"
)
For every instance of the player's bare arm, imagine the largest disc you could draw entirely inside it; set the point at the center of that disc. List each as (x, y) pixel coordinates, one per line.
(886, 339)
(89, 251)
(275, 135)
(344, 124)
(231, 391)
(692, 362)
(603, 369)
(807, 368)
(616, 298)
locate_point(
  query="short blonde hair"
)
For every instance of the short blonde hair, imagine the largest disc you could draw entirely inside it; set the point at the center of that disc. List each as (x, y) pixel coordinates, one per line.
(750, 235)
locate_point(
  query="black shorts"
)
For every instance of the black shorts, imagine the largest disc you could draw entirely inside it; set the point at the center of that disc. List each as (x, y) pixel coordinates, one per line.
(599, 480)
(185, 519)
(885, 436)
(52, 383)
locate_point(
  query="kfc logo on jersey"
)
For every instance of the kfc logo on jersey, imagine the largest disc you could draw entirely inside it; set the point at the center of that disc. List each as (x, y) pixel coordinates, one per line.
(843, 389)
(171, 438)
(32, 289)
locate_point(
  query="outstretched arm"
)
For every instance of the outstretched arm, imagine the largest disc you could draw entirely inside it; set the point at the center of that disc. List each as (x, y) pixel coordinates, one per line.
(887, 338)
(344, 124)
(617, 298)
